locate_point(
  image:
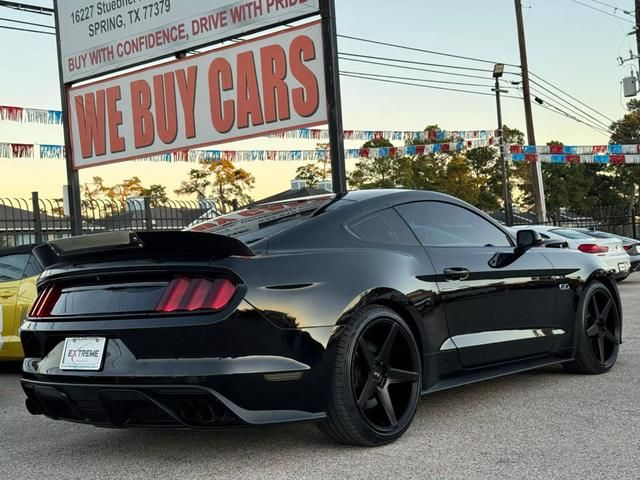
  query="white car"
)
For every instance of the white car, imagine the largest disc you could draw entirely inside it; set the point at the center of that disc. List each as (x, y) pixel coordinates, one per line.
(610, 250)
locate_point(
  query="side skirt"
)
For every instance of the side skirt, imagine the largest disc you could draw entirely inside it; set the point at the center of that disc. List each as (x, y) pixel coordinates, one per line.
(475, 376)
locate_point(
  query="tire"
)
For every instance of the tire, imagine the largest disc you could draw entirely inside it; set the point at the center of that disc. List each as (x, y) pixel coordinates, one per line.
(598, 332)
(376, 379)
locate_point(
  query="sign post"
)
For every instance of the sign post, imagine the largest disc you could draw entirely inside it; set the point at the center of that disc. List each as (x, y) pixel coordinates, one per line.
(73, 179)
(334, 100)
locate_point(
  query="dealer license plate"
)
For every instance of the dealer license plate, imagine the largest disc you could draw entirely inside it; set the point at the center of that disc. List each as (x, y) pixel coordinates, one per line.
(84, 353)
(622, 267)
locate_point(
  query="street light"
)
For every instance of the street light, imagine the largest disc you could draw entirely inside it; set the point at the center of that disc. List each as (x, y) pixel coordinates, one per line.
(498, 71)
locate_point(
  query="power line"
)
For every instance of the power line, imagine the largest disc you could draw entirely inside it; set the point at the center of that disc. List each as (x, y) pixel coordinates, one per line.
(541, 100)
(584, 114)
(422, 50)
(602, 11)
(26, 30)
(413, 79)
(558, 111)
(27, 23)
(363, 77)
(570, 96)
(615, 9)
(564, 113)
(27, 7)
(415, 62)
(406, 67)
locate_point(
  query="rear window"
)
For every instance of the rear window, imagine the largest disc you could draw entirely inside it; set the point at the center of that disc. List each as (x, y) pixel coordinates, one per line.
(270, 218)
(572, 234)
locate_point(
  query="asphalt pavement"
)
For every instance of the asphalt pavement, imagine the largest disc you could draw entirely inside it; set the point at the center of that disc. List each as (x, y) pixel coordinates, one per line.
(542, 424)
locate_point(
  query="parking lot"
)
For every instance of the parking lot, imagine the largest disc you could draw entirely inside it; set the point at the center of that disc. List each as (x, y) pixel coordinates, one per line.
(541, 424)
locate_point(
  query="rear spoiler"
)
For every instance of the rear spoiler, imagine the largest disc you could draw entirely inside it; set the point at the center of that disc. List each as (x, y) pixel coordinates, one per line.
(101, 247)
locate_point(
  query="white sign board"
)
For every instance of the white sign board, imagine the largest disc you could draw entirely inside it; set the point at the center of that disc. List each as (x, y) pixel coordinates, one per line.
(98, 36)
(260, 86)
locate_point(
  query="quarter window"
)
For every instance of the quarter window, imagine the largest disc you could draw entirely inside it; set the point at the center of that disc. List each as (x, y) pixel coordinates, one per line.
(385, 227)
(440, 224)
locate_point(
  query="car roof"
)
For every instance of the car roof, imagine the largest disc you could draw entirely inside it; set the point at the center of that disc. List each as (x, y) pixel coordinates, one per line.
(350, 203)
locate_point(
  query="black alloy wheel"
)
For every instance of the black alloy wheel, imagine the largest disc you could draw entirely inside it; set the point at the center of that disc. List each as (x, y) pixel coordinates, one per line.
(384, 376)
(376, 379)
(602, 326)
(599, 331)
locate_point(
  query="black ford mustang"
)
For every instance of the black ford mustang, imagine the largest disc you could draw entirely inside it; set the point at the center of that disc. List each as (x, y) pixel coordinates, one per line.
(341, 310)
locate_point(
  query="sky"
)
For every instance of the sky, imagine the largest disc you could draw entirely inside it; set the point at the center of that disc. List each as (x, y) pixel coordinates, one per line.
(569, 45)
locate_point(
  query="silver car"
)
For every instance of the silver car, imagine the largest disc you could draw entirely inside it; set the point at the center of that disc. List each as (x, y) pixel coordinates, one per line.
(609, 250)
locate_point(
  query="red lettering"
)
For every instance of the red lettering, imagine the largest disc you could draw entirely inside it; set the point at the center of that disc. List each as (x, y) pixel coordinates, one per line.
(143, 132)
(90, 112)
(221, 80)
(164, 93)
(187, 88)
(305, 99)
(116, 142)
(274, 87)
(248, 92)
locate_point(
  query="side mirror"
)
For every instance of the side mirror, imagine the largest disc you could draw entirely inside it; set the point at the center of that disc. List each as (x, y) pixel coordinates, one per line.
(527, 239)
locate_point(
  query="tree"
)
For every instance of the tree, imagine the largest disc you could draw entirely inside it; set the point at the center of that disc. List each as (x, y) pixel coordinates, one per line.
(374, 172)
(222, 181)
(314, 173)
(626, 131)
(441, 172)
(157, 194)
(197, 184)
(378, 143)
(93, 190)
(129, 187)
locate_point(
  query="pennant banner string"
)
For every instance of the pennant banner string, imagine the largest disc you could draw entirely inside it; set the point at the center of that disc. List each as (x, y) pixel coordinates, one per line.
(54, 117)
(10, 150)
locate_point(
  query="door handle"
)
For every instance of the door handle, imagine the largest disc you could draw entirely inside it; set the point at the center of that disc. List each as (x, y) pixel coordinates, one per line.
(6, 294)
(456, 273)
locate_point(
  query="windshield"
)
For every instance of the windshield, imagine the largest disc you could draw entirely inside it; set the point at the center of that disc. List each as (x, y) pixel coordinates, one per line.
(572, 234)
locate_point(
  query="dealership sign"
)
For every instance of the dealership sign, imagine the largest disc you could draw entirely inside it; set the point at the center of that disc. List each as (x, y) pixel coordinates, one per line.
(99, 36)
(264, 85)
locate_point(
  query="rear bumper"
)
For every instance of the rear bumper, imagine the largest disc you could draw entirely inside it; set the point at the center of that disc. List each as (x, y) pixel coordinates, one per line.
(238, 370)
(168, 406)
(615, 262)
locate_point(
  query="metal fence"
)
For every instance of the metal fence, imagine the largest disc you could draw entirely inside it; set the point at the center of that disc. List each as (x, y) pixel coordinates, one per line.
(24, 221)
(618, 220)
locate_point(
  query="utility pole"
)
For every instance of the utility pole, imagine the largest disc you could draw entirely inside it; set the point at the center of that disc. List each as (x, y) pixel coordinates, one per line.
(638, 31)
(536, 170)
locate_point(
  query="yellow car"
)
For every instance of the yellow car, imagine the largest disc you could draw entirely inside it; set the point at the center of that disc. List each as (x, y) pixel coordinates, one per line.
(19, 271)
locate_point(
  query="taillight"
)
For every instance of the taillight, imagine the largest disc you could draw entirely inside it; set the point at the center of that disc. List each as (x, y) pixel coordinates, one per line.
(45, 302)
(592, 248)
(191, 294)
(627, 247)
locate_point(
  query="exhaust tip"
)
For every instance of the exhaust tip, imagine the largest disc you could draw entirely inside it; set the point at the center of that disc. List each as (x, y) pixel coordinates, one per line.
(32, 407)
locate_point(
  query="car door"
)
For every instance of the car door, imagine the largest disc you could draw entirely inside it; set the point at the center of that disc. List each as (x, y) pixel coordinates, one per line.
(499, 306)
(12, 268)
